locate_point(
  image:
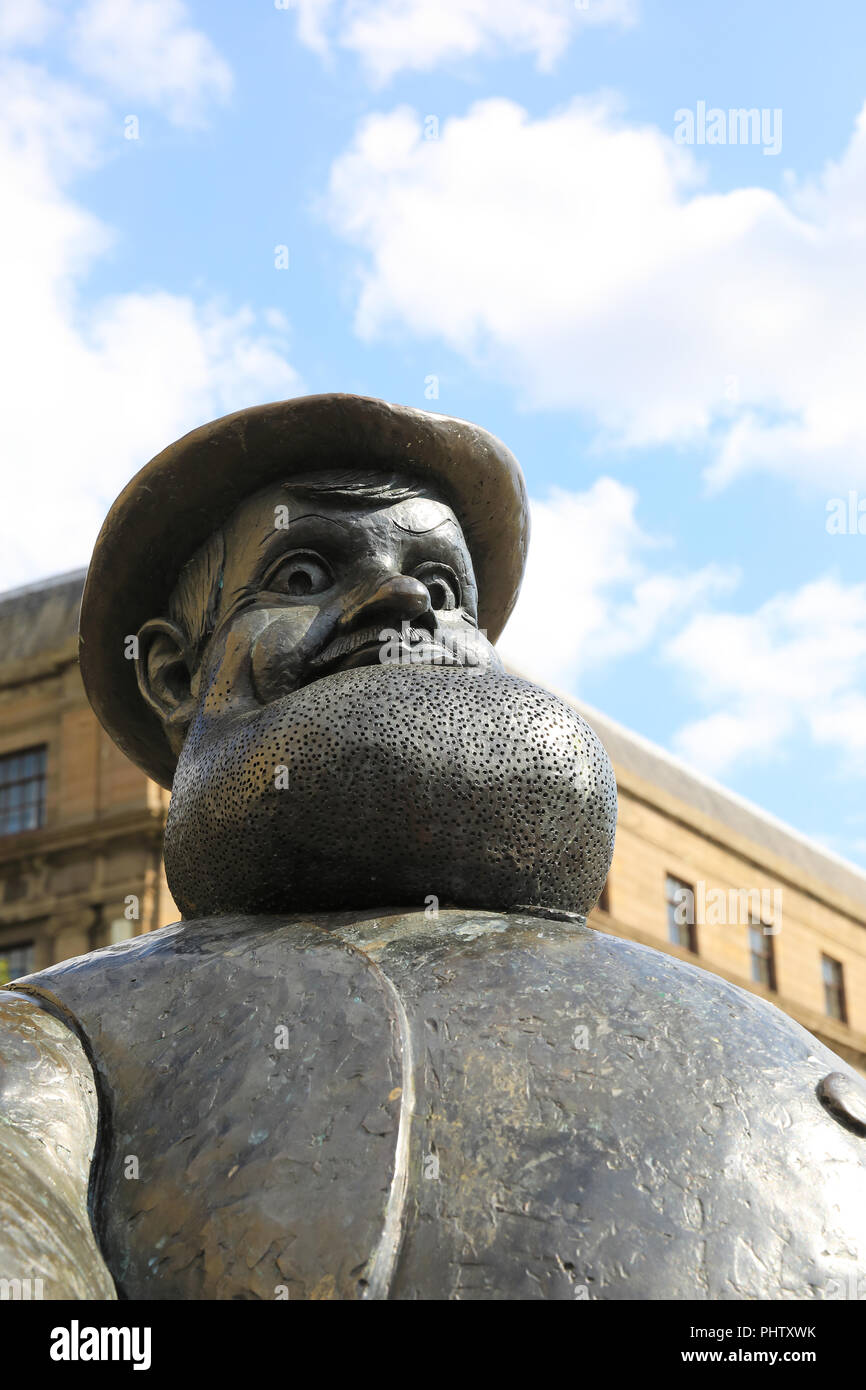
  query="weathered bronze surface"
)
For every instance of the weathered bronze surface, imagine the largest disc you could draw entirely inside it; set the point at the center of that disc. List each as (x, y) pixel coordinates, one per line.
(175, 503)
(48, 1130)
(382, 1055)
(474, 1106)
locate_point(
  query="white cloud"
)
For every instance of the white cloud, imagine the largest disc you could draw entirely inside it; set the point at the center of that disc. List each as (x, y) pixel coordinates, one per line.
(25, 21)
(390, 36)
(589, 595)
(49, 132)
(147, 51)
(579, 257)
(92, 389)
(314, 17)
(791, 670)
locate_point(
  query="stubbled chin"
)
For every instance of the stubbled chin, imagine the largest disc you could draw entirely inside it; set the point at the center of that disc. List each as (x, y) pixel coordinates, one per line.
(383, 785)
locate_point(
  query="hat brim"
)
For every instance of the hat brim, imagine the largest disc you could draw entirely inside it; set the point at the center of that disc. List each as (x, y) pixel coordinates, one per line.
(176, 502)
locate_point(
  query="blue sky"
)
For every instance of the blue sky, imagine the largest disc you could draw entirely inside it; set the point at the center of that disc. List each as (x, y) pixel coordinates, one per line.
(671, 337)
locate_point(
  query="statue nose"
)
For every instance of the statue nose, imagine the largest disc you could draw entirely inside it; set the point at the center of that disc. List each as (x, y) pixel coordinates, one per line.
(399, 597)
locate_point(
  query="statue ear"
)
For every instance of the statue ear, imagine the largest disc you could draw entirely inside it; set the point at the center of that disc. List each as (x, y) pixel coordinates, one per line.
(164, 668)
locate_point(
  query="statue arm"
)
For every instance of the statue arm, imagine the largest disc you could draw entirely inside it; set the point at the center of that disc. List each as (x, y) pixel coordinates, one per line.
(48, 1125)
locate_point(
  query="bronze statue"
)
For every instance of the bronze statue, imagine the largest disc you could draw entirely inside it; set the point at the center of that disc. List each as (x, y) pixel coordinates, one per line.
(382, 1055)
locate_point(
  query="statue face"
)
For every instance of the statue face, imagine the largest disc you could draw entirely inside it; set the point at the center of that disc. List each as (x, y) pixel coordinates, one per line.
(324, 766)
(312, 587)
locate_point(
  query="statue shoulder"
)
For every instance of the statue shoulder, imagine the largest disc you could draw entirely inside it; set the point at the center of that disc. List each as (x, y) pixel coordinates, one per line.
(48, 1129)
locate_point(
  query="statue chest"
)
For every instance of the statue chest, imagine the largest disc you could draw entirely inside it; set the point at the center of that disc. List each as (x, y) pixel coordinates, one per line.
(476, 1106)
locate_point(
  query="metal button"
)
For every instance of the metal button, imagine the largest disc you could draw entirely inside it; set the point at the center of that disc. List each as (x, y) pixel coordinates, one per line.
(845, 1099)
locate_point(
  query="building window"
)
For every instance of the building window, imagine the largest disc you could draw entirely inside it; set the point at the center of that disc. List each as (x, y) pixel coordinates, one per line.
(763, 956)
(834, 988)
(680, 899)
(15, 961)
(22, 791)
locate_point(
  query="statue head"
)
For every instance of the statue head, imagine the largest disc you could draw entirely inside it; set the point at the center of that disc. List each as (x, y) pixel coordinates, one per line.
(290, 618)
(329, 571)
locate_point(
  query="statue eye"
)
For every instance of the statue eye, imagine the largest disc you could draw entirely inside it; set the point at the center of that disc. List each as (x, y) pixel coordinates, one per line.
(299, 575)
(443, 586)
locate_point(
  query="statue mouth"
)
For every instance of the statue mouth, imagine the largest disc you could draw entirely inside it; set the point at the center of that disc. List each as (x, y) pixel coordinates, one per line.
(381, 645)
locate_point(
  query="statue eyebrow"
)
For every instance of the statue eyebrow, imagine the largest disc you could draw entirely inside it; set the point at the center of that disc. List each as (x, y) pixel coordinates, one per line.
(266, 541)
(426, 530)
(304, 516)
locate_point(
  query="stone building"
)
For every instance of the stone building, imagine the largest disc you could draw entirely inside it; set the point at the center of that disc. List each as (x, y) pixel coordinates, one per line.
(80, 826)
(709, 877)
(697, 872)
